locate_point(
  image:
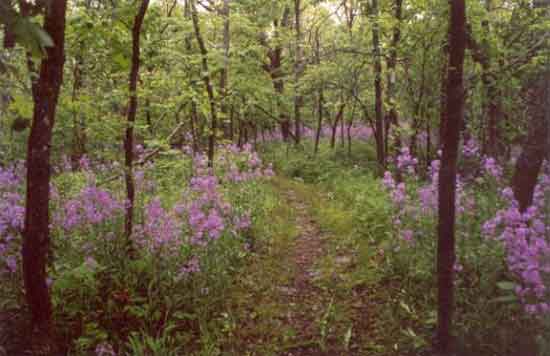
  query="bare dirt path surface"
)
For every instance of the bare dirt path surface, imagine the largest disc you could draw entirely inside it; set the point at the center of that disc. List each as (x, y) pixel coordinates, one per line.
(302, 293)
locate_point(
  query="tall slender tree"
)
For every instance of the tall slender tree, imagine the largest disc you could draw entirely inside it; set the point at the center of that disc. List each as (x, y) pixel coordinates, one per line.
(447, 173)
(36, 237)
(391, 87)
(536, 146)
(297, 70)
(208, 84)
(379, 118)
(224, 77)
(131, 118)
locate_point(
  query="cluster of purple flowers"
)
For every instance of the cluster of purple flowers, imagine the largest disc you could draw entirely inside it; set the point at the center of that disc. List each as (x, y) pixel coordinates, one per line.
(241, 164)
(91, 206)
(470, 149)
(104, 349)
(208, 215)
(12, 215)
(491, 167)
(405, 161)
(398, 195)
(525, 239)
(160, 228)
(357, 131)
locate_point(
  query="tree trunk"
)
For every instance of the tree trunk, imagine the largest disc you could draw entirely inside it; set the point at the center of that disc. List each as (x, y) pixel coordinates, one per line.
(297, 72)
(36, 238)
(350, 124)
(337, 119)
(392, 62)
(320, 100)
(79, 135)
(207, 83)
(131, 118)
(343, 131)
(536, 146)
(379, 118)
(275, 70)
(225, 70)
(447, 174)
(442, 93)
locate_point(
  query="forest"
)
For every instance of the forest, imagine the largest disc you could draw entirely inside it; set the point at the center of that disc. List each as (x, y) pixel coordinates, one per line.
(275, 177)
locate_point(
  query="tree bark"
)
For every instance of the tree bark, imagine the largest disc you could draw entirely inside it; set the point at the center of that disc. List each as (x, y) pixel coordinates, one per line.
(207, 84)
(36, 238)
(275, 70)
(379, 118)
(447, 174)
(337, 119)
(131, 118)
(79, 135)
(224, 81)
(297, 71)
(392, 63)
(320, 100)
(536, 145)
(320, 97)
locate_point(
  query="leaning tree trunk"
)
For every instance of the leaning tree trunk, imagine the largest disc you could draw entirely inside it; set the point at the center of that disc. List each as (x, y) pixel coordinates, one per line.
(131, 118)
(536, 146)
(447, 174)
(36, 238)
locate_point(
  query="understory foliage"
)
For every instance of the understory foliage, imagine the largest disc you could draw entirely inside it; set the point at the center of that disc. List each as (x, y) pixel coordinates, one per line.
(138, 139)
(194, 232)
(501, 270)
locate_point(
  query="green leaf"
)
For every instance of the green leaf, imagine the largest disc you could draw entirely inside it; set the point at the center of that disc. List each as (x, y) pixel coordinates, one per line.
(504, 299)
(508, 286)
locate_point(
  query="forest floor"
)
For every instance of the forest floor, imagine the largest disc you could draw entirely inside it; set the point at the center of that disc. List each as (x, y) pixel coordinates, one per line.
(295, 299)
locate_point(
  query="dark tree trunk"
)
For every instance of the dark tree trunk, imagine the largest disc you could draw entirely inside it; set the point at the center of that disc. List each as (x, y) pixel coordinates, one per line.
(443, 93)
(9, 37)
(379, 117)
(350, 124)
(79, 135)
(343, 131)
(231, 123)
(428, 143)
(447, 174)
(393, 118)
(536, 146)
(320, 100)
(208, 85)
(337, 119)
(36, 238)
(194, 120)
(131, 118)
(297, 72)
(225, 71)
(275, 70)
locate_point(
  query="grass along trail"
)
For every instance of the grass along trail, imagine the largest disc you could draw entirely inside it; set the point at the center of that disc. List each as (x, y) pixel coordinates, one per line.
(295, 299)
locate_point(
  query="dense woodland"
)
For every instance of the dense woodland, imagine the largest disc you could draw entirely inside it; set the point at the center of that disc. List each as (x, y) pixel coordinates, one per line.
(275, 177)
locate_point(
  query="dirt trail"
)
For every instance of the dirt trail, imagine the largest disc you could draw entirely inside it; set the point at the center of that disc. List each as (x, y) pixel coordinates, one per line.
(302, 293)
